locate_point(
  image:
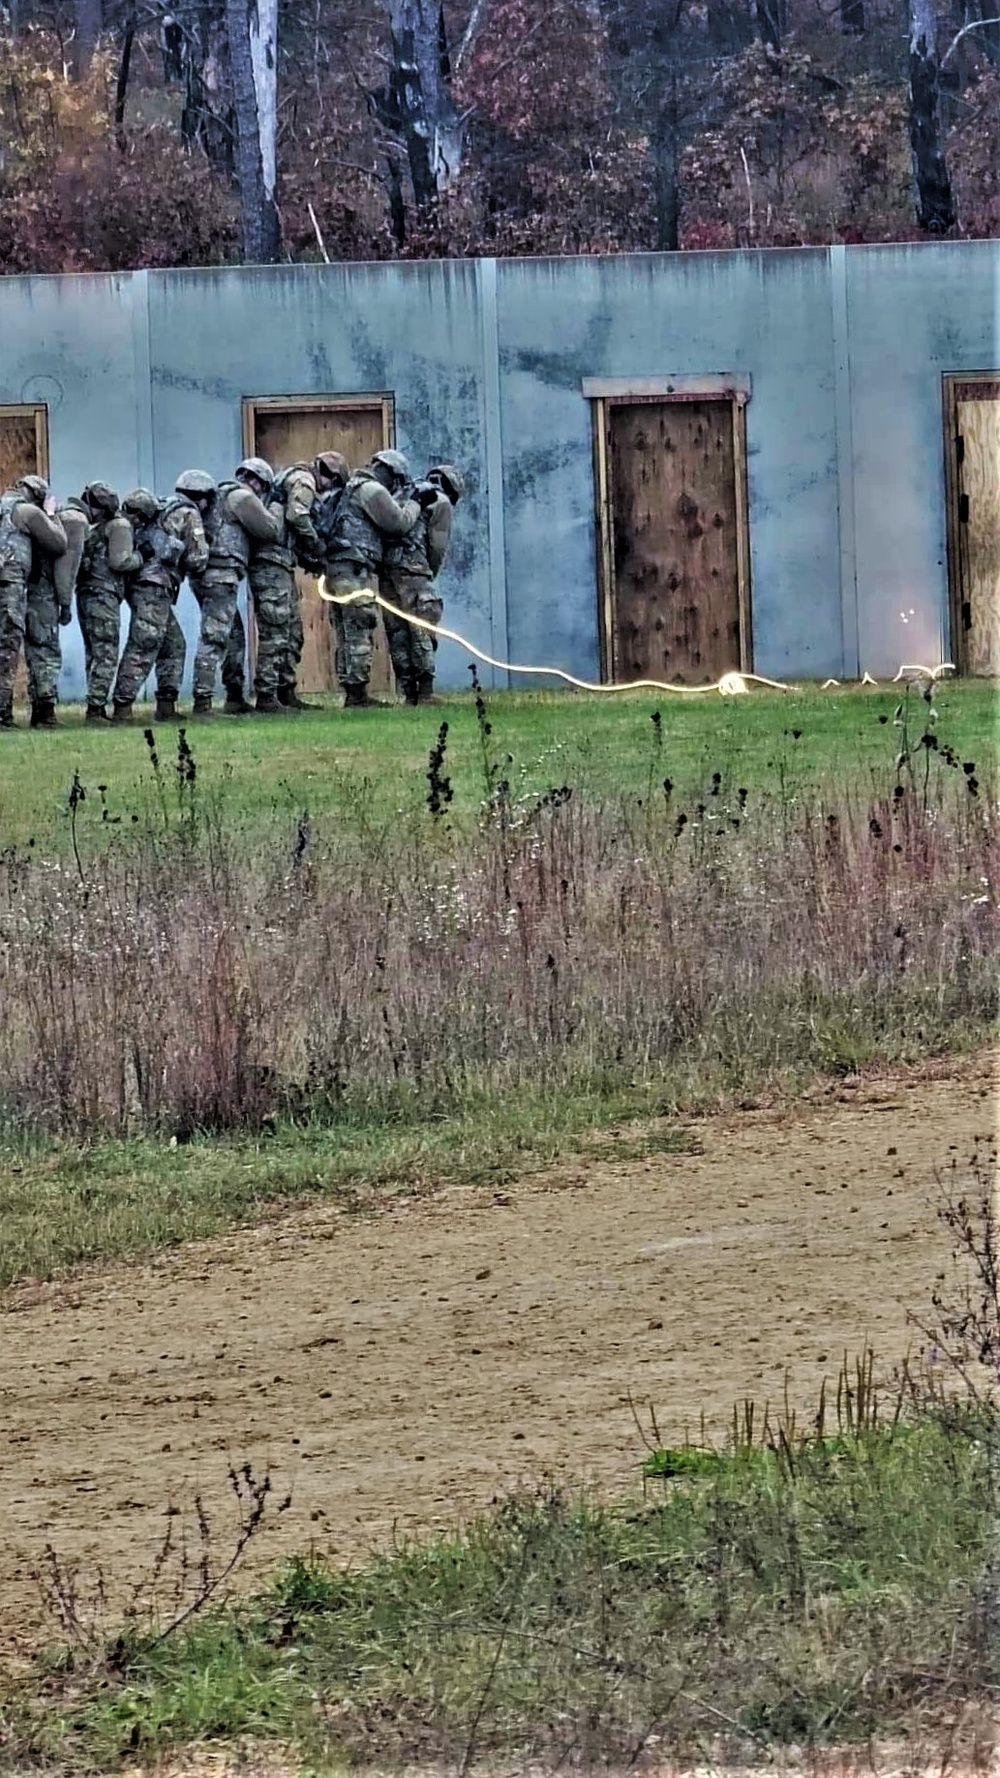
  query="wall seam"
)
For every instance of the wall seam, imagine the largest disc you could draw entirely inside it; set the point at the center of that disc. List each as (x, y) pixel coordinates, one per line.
(145, 449)
(850, 629)
(492, 418)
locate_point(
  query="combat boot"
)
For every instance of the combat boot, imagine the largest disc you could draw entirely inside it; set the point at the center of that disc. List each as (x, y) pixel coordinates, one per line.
(202, 706)
(408, 687)
(166, 710)
(268, 704)
(122, 713)
(236, 704)
(7, 715)
(43, 713)
(289, 697)
(425, 689)
(97, 713)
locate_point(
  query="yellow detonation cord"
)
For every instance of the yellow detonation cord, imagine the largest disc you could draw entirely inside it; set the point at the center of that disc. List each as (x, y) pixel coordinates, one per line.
(730, 685)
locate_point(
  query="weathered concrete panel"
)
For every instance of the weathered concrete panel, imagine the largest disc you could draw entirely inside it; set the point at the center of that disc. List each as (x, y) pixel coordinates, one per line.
(914, 313)
(217, 336)
(70, 342)
(767, 314)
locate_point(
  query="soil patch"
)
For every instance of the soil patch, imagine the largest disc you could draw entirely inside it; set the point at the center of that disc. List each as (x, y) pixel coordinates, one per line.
(401, 1371)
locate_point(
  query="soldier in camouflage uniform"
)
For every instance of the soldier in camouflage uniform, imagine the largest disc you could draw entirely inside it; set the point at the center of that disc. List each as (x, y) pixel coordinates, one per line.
(236, 520)
(410, 566)
(108, 555)
(271, 573)
(301, 486)
(50, 607)
(368, 517)
(170, 538)
(24, 527)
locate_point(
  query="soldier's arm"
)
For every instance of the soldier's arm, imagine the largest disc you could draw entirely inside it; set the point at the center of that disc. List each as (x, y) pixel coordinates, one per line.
(253, 515)
(123, 557)
(43, 529)
(195, 558)
(67, 565)
(393, 517)
(438, 532)
(298, 513)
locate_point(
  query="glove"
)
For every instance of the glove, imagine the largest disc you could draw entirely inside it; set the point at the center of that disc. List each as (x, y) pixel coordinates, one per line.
(65, 615)
(426, 493)
(146, 550)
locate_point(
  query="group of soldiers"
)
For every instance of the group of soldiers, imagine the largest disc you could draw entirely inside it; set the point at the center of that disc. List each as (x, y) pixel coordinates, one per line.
(374, 529)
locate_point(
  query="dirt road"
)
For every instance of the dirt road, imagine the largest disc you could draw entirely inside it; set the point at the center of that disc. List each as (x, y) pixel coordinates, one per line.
(402, 1370)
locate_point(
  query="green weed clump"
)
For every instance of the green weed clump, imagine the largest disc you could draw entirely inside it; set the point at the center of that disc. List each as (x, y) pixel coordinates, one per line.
(806, 1590)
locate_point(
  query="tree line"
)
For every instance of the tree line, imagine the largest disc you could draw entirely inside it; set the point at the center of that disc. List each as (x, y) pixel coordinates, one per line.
(174, 132)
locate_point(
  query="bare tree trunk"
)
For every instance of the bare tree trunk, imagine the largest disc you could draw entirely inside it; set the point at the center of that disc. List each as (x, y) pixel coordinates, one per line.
(417, 104)
(88, 18)
(253, 45)
(195, 49)
(767, 14)
(121, 88)
(935, 204)
(665, 147)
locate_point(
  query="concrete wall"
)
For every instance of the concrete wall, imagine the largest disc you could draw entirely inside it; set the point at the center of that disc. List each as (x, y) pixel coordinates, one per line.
(144, 374)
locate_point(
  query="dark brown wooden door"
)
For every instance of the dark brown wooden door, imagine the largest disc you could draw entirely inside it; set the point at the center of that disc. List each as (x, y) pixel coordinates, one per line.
(294, 435)
(977, 416)
(22, 452)
(675, 548)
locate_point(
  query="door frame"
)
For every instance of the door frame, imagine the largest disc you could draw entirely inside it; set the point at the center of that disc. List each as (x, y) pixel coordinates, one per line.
(604, 393)
(39, 412)
(951, 382)
(380, 401)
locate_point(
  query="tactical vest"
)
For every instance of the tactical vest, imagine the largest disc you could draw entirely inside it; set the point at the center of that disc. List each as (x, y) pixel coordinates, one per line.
(324, 517)
(15, 545)
(280, 553)
(228, 543)
(408, 555)
(355, 538)
(161, 570)
(96, 572)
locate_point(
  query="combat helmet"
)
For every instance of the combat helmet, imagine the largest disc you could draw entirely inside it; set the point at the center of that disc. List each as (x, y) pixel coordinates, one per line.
(36, 488)
(395, 461)
(255, 466)
(101, 495)
(142, 502)
(195, 481)
(451, 480)
(331, 464)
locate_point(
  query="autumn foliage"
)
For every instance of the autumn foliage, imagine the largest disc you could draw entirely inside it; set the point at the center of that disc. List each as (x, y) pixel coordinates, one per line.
(588, 126)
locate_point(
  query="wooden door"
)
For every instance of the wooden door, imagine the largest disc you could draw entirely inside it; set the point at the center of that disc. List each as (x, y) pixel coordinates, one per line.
(674, 552)
(294, 433)
(23, 451)
(977, 454)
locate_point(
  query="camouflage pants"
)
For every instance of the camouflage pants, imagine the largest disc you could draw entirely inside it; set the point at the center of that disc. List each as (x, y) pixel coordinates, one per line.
(353, 625)
(155, 638)
(412, 650)
(42, 650)
(12, 604)
(222, 642)
(100, 621)
(296, 642)
(271, 589)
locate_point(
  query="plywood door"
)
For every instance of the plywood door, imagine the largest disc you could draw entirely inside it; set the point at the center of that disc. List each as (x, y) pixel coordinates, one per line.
(19, 455)
(978, 428)
(675, 544)
(294, 435)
